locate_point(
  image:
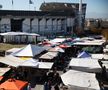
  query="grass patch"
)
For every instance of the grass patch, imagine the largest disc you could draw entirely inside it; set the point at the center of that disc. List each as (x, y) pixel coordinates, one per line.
(4, 46)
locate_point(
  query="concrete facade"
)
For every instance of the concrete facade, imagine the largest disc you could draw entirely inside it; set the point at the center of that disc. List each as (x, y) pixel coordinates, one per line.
(5, 25)
(50, 21)
(45, 25)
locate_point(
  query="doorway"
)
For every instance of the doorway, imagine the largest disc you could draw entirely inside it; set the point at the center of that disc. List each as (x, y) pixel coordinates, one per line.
(16, 25)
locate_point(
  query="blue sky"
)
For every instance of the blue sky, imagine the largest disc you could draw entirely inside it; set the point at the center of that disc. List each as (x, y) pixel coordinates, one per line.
(95, 8)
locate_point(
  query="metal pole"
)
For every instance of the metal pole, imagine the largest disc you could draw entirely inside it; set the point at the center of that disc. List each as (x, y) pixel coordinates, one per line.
(0, 25)
(80, 14)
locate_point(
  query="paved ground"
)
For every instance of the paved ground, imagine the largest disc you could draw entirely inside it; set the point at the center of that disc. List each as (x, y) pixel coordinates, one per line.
(40, 87)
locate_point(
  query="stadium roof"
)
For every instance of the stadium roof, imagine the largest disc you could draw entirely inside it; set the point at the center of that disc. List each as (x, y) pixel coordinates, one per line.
(56, 6)
(11, 13)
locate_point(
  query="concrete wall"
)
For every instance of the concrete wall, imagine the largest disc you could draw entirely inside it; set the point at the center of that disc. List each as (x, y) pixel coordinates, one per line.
(5, 25)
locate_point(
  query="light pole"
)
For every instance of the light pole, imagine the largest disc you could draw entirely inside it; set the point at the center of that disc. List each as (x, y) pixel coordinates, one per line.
(80, 16)
(0, 25)
(1, 6)
(0, 18)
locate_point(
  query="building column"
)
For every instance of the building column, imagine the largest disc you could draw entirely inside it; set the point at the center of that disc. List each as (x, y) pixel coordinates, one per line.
(35, 25)
(63, 24)
(5, 25)
(39, 25)
(26, 25)
(31, 25)
(0, 25)
(47, 26)
(57, 24)
(52, 25)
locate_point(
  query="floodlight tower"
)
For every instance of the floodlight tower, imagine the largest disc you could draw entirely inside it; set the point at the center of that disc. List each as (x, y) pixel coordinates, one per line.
(1, 6)
(0, 19)
(80, 16)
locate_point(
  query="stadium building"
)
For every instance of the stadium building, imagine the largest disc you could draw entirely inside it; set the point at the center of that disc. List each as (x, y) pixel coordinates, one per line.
(52, 19)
